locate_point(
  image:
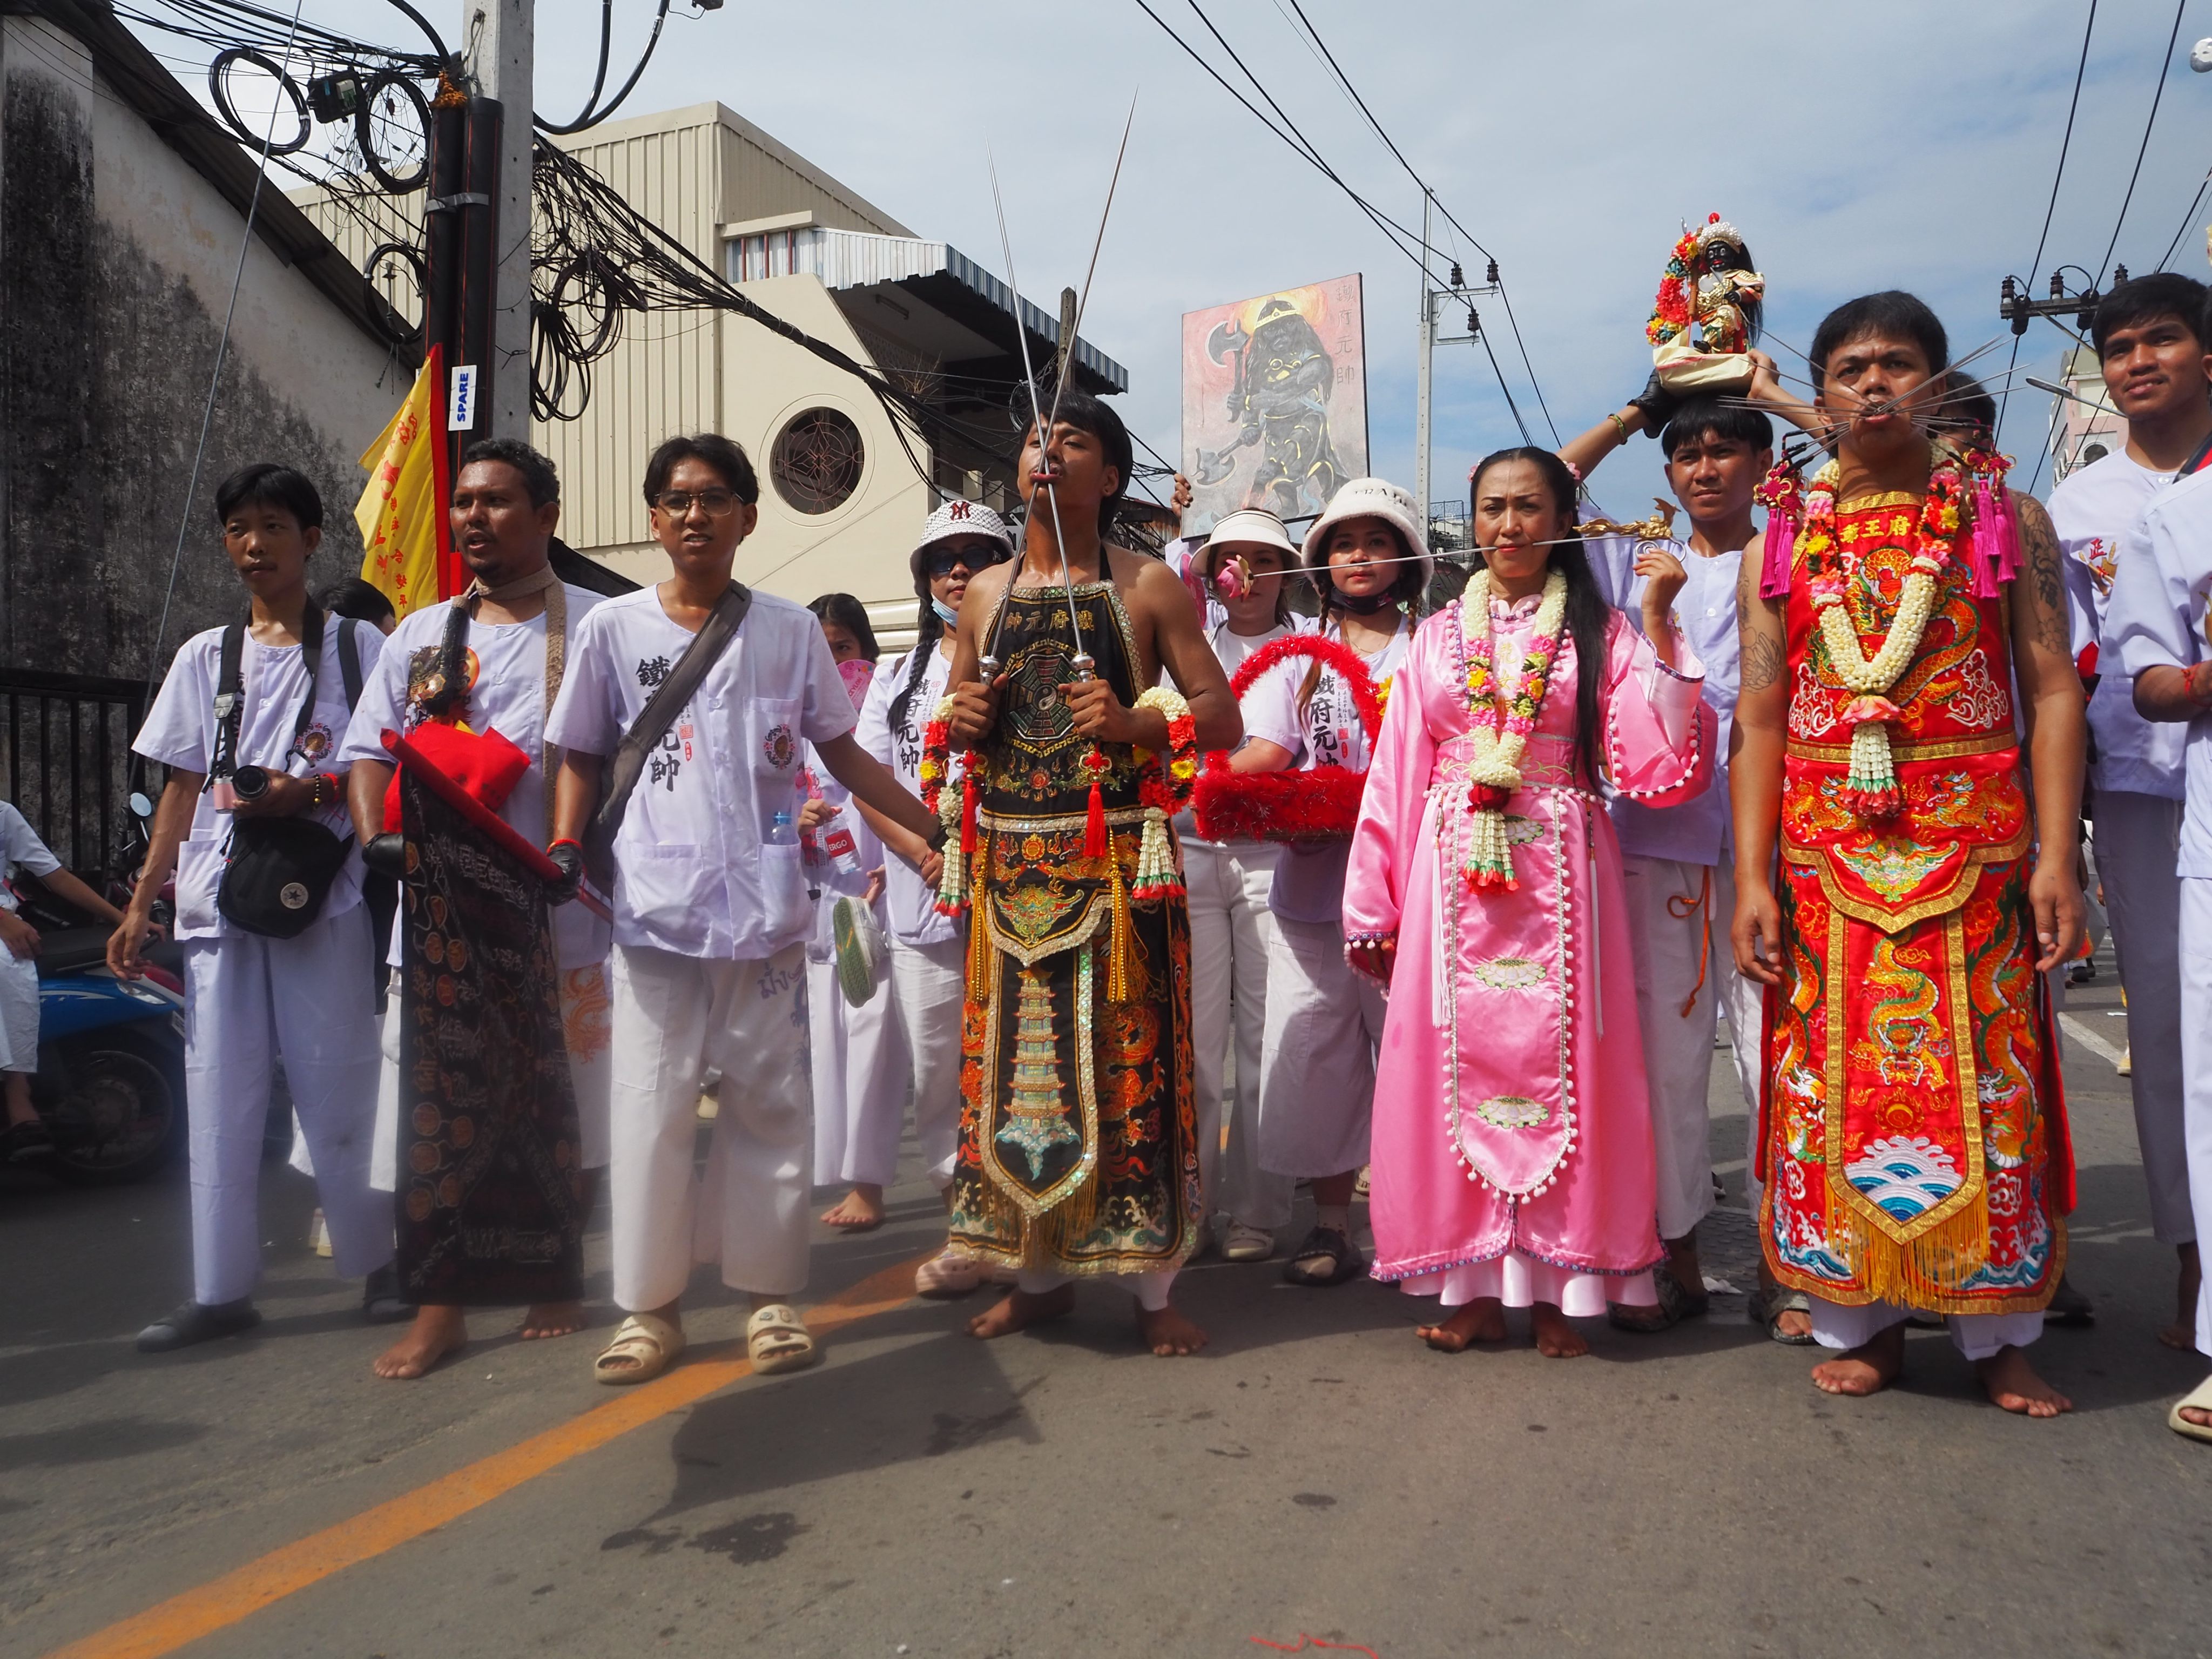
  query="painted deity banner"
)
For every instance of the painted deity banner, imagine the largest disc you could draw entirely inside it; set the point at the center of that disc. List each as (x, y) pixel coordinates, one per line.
(1274, 402)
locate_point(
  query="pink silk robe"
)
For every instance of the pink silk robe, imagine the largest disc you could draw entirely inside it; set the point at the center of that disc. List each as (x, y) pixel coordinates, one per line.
(1512, 1138)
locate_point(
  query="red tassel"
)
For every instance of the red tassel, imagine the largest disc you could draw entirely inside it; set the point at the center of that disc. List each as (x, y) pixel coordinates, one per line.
(1094, 824)
(1780, 546)
(970, 795)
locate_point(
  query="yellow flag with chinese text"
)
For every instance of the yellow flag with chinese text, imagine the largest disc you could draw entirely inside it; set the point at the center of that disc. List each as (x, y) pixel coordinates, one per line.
(401, 512)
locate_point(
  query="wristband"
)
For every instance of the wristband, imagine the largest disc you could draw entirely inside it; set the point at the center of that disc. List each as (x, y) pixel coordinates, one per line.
(564, 841)
(2201, 698)
(1619, 426)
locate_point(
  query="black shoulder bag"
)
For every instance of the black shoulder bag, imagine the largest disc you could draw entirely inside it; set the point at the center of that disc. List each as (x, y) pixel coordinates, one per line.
(279, 872)
(654, 720)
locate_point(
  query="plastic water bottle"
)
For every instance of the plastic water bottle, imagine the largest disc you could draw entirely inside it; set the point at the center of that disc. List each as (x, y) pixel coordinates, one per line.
(781, 832)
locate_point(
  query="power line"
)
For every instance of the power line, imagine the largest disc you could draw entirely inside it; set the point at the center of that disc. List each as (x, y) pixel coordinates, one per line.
(2187, 219)
(2164, 68)
(1450, 218)
(2004, 397)
(1404, 239)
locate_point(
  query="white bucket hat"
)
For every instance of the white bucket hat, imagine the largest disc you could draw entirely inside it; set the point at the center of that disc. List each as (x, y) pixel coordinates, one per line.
(1253, 526)
(960, 518)
(1371, 498)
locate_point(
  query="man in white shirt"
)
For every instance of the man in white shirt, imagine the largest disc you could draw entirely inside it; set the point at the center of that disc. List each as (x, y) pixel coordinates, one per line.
(2159, 376)
(2155, 622)
(711, 912)
(251, 996)
(506, 507)
(1678, 862)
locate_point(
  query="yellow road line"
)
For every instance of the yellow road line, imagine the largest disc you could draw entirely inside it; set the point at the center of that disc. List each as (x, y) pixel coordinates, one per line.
(224, 1601)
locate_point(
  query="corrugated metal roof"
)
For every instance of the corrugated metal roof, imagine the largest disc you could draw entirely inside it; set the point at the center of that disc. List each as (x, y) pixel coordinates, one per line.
(855, 259)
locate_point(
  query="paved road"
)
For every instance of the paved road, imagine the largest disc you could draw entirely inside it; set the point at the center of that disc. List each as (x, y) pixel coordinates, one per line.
(1318, 1472)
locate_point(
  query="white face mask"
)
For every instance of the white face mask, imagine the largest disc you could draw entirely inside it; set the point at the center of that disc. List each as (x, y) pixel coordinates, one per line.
(945, 613)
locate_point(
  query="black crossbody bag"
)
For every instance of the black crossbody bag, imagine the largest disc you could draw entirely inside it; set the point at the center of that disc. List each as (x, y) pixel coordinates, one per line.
(277, 872)
(660, 713)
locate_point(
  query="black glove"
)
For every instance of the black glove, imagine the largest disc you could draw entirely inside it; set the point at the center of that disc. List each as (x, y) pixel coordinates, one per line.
(568, 859)
(386, 855)
(1658, 404)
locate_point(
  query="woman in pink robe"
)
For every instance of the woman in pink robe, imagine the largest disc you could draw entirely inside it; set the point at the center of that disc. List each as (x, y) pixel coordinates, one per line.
(1512, 1161)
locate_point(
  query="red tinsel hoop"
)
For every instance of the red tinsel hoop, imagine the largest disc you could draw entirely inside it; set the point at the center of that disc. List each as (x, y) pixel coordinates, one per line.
(1299, 809)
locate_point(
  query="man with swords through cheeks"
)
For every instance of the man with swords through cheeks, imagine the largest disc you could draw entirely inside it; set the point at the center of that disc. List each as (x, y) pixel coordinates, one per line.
(1078, 1155)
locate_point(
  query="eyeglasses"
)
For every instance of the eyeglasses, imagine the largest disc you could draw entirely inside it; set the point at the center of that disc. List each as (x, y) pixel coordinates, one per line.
(714, 503)
(944, 561)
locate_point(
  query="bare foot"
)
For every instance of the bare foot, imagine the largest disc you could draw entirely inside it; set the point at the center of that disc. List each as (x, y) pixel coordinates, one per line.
(1868, 1369)
(2198, 1415)
(551, 1319)
(436, 1332)
(1017, 1310)
(2011, 1382)
(1480, 1321)
(1167, 1332)
(859, 1211)
(1555, 1338)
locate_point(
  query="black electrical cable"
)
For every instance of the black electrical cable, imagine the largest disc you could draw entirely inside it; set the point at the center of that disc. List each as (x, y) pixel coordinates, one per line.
(2165, 68)
(594, 111)
(1401, 238)
(2073, 107)
(1512, 407)
(1450, 218)
(2187, 219)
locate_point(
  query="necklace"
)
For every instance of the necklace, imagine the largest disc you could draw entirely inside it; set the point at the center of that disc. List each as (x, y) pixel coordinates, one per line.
(1872, 789)
(1500, 721)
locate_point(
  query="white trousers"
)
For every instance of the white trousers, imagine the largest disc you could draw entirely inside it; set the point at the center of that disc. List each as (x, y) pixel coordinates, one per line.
(2138, 843)
(587, 1026)
(860, 1070)
(1231, 931)
(929, 990)
(1678, 917)
(1977, 1336)
(2196, 1068)
(1317, 1054)
(674, 1017)
(19, 1013)
(313, 1000)
(1150, 1288)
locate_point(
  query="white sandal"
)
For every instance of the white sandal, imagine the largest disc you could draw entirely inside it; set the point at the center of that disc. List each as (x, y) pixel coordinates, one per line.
(649, 1343)
(2199, 1400)
(952, 1271)
(1244, 1244)
(776, 1340)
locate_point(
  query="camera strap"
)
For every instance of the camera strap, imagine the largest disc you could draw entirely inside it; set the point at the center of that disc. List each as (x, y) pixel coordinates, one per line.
(230, 686)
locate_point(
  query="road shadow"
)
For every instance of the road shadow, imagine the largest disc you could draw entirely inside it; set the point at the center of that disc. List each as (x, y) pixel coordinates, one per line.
(93, 1443)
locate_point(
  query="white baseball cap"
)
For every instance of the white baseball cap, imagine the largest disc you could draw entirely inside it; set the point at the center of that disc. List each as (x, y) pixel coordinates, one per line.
(1371, 498)
(1253, 526)
(959, 517)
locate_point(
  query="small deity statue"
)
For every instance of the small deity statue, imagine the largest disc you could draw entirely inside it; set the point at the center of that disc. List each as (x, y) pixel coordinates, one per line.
(1706, 317)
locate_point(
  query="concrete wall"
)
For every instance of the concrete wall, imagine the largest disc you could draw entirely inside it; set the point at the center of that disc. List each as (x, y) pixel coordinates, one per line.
(116, 264)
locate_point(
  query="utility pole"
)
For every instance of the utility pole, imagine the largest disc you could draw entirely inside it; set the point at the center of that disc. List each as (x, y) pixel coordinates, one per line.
(499, 37)
(1428, 342)
(1426, 352)
(1066, 352)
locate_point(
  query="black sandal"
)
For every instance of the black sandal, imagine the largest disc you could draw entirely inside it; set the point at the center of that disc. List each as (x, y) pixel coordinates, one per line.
(197, 1322)
(20, 1143)
(1676, 1305)
(1343, 1259)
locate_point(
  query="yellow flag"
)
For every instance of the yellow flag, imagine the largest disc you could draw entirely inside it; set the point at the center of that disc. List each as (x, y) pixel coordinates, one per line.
(401, 512)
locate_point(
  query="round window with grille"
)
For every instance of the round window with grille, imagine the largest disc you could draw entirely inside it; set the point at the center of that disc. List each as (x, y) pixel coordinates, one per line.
(817, 459)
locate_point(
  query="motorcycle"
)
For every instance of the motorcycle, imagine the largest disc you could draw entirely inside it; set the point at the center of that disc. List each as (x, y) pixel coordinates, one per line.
(111, 1080)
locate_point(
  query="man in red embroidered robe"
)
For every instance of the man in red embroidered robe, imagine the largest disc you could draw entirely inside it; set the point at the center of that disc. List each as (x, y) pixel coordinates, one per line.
(1913, 1141)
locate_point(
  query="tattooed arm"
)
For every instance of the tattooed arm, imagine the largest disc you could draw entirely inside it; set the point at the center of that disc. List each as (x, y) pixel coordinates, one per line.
(2057, 726)
(1755, 755)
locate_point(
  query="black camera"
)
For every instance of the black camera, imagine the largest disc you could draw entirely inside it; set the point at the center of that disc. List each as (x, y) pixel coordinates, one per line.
(250, 782)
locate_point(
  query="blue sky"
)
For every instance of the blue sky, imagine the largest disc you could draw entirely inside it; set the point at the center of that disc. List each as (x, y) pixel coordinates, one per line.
(1890, 143)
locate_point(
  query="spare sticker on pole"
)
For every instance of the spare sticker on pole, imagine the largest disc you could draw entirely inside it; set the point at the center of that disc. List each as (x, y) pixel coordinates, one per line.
(461, 399)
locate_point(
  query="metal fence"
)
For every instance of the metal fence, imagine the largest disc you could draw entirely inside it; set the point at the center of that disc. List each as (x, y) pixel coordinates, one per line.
(65, 748)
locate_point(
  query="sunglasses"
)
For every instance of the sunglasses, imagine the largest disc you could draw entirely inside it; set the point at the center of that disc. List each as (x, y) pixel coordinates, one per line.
(946, 561)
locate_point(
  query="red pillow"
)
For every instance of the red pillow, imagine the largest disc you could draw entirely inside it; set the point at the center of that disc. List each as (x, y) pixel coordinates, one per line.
(484, 763)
